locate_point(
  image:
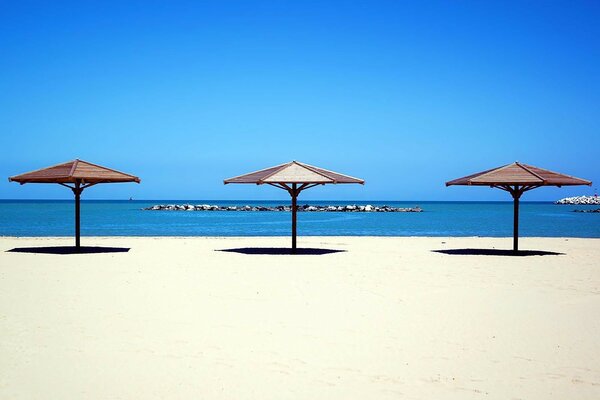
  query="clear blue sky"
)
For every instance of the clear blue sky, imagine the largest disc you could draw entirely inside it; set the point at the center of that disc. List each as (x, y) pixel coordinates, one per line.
(405, 95)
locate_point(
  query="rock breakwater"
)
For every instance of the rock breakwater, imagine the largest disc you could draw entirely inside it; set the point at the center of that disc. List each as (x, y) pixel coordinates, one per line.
(580, 200)
(306, 208)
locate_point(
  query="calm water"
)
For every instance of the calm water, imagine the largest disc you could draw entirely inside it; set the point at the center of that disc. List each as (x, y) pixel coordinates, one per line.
(121, 218)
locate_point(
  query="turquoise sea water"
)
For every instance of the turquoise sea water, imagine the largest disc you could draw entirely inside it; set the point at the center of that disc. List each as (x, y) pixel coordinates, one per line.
(125, 218)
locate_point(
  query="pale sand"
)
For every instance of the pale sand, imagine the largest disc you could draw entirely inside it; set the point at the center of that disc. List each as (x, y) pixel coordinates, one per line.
(388, 319)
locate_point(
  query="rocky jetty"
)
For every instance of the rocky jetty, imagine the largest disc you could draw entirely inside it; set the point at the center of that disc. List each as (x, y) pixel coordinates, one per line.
(597, 210)
(306, 207)
(580, 200)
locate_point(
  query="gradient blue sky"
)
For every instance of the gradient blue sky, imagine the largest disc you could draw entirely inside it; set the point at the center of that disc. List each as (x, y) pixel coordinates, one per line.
(405, 95)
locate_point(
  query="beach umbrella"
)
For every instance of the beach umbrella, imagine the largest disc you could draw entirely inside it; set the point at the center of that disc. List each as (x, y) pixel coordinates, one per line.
(294, 177)
(77, 175)
(516, 179)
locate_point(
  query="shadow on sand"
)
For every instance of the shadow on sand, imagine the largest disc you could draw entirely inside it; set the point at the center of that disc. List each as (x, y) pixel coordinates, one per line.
(64, 250)
(281, 251)
(497, 252)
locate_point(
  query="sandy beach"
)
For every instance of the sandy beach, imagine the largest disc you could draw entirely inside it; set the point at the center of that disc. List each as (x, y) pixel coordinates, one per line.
(380, 318)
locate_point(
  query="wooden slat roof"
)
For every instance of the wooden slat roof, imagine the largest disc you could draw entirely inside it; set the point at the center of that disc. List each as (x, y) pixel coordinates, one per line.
(519, 174)
(74, 171)
(294, 172)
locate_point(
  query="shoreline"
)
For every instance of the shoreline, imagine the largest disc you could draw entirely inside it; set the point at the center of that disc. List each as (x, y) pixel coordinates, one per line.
(303, 236)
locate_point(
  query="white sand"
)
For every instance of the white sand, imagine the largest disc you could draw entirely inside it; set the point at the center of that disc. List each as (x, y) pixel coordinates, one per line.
(387, 319)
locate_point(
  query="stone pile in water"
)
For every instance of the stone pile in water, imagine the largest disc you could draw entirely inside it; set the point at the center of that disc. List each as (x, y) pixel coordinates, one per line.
(306, 207)
(597, 210)
(580, 200)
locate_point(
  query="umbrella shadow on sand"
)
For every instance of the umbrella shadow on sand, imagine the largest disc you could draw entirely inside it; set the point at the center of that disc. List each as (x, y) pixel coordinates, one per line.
(497, 252)
(65, 250)
(281, 251)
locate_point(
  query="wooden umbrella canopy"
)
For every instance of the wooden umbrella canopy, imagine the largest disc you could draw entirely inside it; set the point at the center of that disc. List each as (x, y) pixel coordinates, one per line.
(76, 175)
(518, 178)
(294, 177)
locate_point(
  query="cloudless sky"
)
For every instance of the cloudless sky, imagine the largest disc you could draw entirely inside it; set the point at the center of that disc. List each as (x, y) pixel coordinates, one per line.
(405, 95)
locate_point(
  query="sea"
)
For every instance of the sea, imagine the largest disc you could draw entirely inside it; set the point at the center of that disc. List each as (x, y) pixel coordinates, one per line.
(127, 218)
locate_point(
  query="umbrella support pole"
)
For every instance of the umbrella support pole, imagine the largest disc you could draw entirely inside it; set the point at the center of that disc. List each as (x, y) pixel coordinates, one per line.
(77, 191)
(516, 224)
(294, 193)
(516, 193)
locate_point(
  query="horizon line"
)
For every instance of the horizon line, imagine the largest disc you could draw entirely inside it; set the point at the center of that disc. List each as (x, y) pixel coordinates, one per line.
(285, 201)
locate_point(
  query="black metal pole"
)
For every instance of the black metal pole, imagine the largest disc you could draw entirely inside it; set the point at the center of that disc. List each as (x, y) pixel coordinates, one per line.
(77, 190)
(294, 194)
(516, 194)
